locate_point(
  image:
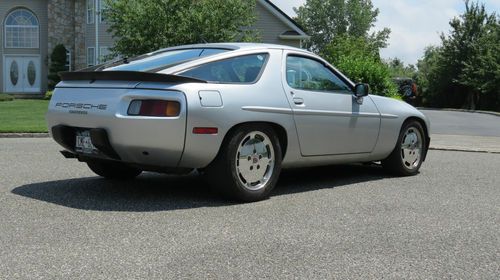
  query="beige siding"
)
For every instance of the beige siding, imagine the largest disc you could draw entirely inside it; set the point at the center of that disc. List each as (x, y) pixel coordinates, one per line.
(39, 8)
(270, 27)
(105, 38)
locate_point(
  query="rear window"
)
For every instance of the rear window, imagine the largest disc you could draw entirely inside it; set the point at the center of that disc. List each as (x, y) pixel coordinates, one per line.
(241, 69)
(163, 60)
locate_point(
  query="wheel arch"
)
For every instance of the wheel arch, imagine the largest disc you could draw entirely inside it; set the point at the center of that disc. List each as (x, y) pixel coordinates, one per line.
(279, 129)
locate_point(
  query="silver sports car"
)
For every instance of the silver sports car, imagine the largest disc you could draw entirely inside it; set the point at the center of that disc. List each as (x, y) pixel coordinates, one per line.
(238, 113)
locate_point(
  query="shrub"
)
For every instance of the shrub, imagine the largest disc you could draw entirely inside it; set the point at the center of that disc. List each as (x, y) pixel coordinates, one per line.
(57, 64)
(48, 95)
(359, 60)
(5, 97)
(374, 73)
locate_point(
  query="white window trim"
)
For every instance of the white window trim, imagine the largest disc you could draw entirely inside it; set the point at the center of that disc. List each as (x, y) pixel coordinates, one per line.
(37, 27)
(102, 6)
(90, 10)
(101, 57)
(68, 60)
(92, 49)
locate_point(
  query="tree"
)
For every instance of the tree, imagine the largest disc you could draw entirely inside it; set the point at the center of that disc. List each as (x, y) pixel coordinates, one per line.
(360, 61)
(324, 20)
(397, 68)
(464, 72)
(340, 32)
(480, 72)
(141, 26)
(429, 77)
(57, 64)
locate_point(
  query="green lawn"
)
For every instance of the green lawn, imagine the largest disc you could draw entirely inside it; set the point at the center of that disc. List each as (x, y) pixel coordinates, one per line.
(23, 116)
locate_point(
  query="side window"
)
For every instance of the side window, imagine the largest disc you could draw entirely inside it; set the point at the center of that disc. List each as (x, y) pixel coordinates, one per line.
(309, 74)
(241, 69)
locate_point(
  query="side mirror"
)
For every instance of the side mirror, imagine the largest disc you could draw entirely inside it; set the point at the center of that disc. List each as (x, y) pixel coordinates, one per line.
(361, 90)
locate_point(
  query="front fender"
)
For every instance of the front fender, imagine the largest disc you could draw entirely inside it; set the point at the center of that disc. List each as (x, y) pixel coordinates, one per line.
(393, 114)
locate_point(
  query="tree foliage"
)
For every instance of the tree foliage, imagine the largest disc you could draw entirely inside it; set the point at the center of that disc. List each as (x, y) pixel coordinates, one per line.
(464, 72)
(141, 26)
(359, 60)
(324, 20)
(340, 32)
(57, 64)
(398, 69)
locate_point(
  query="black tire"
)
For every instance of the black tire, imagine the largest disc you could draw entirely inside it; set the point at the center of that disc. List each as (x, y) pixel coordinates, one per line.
(113, 170)
(224, 173)
(395, 162)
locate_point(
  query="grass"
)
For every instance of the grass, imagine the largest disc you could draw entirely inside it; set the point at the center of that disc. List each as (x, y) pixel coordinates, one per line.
(23, 115)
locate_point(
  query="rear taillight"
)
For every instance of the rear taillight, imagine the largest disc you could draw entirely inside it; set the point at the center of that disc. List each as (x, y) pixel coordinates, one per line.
(154, 108)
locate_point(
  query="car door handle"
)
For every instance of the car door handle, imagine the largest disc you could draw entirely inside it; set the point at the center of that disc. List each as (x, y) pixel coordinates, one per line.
(298, 100)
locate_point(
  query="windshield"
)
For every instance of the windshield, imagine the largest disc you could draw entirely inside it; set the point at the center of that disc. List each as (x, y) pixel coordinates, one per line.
(163, 60)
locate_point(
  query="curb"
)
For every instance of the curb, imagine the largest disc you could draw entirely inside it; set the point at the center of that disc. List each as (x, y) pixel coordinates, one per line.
(450, 149)
(24, 135)
(461, 110)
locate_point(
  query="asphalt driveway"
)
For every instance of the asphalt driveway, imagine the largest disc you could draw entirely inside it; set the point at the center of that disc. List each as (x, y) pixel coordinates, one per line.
(463, 123)
(59, 221)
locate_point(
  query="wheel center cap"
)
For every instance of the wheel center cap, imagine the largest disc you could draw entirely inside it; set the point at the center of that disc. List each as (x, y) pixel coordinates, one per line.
(255, 159)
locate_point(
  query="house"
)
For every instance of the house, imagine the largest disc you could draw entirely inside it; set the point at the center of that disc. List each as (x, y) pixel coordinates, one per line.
(31, 29)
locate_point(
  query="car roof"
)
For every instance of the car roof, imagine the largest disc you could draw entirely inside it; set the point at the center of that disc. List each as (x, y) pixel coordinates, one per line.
(233, 49)
(231, 46)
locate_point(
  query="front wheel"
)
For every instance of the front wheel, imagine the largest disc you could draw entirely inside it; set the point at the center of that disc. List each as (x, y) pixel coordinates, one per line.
(248, 165)
(407, 156)
(113, 170)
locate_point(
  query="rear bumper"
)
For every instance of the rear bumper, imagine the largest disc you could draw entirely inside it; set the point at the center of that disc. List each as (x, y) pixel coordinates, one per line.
(66, 135)
(151, 141)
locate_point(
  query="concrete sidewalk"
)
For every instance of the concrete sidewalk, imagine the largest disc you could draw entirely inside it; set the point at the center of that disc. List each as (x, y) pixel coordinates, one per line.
(466, 143)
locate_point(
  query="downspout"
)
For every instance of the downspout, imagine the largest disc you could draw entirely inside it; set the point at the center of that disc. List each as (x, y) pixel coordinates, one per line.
(96, 22)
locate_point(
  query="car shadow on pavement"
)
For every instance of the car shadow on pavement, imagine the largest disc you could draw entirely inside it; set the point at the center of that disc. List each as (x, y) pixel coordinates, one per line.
(156, 192)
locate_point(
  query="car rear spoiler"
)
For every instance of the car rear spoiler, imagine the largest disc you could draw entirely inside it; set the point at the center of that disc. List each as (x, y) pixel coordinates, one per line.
(127, 76)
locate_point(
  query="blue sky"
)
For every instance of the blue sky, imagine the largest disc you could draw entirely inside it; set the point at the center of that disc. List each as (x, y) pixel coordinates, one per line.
(415, 24)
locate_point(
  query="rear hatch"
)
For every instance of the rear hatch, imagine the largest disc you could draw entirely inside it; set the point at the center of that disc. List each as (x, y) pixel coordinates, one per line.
(81, 105)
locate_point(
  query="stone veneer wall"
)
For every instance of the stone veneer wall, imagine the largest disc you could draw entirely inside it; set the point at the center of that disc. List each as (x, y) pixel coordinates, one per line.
(61, 25)
(79, 54)
(66, 25)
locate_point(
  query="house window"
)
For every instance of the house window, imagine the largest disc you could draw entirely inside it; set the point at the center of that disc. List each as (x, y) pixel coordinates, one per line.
(90, 11)
(104, 54)
(90, 56)
(21, 30)
(68, 60)
(103, 6)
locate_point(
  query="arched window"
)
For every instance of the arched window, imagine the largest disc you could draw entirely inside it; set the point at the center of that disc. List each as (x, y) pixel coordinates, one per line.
(21, 30)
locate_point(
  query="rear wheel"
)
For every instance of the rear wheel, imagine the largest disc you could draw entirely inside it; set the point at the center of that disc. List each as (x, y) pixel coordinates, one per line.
(248, 165)
(113, 170)
(407, 156)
